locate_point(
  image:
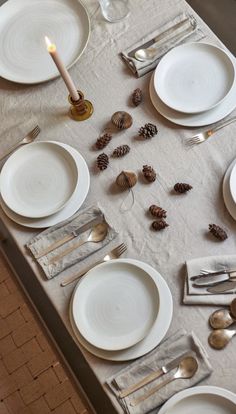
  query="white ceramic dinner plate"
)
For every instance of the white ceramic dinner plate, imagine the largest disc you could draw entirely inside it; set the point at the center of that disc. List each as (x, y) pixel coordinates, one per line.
(38, 179)
(232, 183)
(157, 331)
(71, 207)
(200, 119)
(201, 400)
(23, 27)
(115, 305)
(228, 199)
(194, 77)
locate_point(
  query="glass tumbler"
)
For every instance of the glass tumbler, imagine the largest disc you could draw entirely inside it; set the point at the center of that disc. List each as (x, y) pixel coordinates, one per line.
(114, 10)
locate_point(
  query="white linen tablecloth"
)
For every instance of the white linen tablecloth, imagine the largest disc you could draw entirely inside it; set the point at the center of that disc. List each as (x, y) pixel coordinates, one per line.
(108, 83)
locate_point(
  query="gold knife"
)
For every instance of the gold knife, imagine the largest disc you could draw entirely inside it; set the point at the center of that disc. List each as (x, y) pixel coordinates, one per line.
(154, 375)
(223, 287)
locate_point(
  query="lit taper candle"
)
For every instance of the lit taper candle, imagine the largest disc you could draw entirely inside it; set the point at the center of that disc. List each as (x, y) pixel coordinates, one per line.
(51, 47)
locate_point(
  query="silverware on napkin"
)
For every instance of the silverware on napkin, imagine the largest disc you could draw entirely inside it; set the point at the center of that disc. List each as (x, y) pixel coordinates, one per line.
(186, 369)
(96, 235)
(223, 287)
(217, 272)
(58, 243)
(160, 37)
(154, 375)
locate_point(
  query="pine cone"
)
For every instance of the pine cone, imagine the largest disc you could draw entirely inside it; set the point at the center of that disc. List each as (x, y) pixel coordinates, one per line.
(148, 131)
(149, 173)
(102, 161)
(157, 211)
(182, 187)
(121, 151)
(159, 225)
(137, 97)
(103, 140)
(218, 232)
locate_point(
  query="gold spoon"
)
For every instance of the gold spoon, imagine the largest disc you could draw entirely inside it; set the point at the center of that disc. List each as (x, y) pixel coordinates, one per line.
(222, 318)
(187, 368)
(219, 338)
(97, 234)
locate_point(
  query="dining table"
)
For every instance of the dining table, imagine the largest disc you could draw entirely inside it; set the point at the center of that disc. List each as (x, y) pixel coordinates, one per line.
(108, 83)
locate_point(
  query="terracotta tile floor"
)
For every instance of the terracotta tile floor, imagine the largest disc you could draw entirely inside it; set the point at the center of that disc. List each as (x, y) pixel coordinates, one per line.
(33, 379)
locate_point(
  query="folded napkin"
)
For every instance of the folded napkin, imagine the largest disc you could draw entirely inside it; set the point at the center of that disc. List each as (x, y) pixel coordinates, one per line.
(81, 222)
(171, 40)
(171, 348)
(200, 296)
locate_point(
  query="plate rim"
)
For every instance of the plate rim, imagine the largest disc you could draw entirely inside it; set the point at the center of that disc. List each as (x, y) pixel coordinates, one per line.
(92, 274)
(227, 197)
(192, 120)
(60, 216)
(201, 389)
(57, 74)
(18, 153)
(154, 335)
(232, 193)
(189, 45)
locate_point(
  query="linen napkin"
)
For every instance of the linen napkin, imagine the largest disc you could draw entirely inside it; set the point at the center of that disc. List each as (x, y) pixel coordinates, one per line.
(81, 222)
(200, 296)
(171, 40)
(171, 348)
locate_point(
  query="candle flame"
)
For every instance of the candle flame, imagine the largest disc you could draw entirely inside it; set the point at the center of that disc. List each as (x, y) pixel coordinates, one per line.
(50, 46)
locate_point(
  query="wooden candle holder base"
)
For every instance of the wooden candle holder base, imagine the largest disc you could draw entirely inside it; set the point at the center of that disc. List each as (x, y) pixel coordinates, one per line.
(82, 109)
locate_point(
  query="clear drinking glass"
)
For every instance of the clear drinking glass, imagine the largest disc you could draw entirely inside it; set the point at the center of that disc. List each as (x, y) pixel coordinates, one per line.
(114, 10)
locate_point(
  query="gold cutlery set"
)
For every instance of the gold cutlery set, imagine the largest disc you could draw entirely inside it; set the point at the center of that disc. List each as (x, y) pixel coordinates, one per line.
(217, 282)
(185, 367)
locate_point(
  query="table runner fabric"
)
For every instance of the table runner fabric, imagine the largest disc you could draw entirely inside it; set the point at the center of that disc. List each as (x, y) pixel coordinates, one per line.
(200, 296)
(141, 68)
(171, 348)
(82, 221)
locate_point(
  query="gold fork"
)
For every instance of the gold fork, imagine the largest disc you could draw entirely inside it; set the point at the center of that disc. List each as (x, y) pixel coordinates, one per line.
(113, 254)
(26, 140)
(203, 136)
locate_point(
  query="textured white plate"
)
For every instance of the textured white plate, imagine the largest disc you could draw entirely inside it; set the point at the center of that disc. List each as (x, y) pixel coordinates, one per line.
(115, 305)
(228, 200)
(201, 400)
(155, 335)
(72, 206)
(23, 26)
(232, 183)
(38, 179)
(200, 119)
(194, 77)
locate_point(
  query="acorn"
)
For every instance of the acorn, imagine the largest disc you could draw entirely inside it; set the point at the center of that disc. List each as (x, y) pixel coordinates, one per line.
(126, 180)
(122, 120)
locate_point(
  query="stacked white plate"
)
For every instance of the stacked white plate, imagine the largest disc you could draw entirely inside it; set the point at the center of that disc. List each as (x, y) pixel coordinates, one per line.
(23, 27)
(121, 309)
(194, 84)
(43, 183)
(229, 189)
(201, 399)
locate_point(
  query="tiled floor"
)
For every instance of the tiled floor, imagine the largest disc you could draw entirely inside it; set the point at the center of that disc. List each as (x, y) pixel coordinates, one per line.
(33, 379)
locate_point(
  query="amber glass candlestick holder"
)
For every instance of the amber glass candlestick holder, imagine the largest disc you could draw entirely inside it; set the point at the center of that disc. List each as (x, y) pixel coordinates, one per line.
(82, 109)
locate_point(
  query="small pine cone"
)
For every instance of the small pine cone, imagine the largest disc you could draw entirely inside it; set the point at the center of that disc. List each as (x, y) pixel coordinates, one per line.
(157, 211)
(137, 97)
(102, 161)
(148, 131)
(182, 187)
(218, 232)
(103, 140)
(149, 173)
(159, 225)
(121, 151)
